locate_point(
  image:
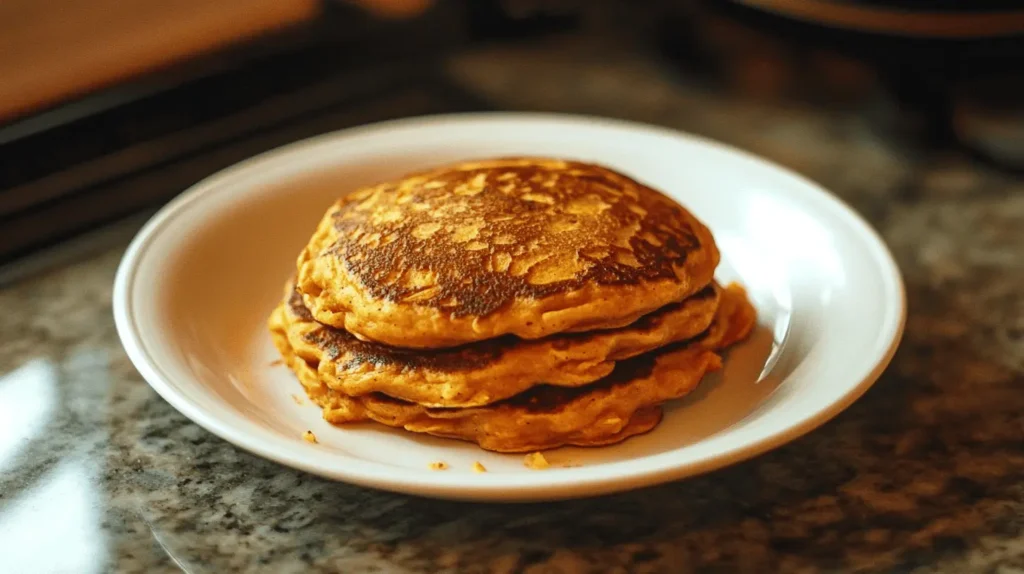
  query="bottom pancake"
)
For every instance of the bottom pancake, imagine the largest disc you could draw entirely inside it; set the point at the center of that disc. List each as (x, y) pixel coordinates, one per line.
(625, 403)
(338, 409)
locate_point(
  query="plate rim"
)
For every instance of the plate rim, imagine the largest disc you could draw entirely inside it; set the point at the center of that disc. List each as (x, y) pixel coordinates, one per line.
(566, 483)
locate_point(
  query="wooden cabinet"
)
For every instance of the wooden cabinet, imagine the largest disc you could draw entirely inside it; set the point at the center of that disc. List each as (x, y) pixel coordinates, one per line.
(51, 50)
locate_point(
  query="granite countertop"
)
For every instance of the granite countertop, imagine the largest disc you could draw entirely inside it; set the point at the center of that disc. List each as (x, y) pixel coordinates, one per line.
(925, 473)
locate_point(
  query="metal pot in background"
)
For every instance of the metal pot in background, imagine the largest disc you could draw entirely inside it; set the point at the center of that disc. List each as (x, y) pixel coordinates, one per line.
(953, 71)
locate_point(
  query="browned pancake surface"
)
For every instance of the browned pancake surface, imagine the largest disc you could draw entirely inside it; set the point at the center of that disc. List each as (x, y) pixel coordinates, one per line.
(436, 258)
(537, 228)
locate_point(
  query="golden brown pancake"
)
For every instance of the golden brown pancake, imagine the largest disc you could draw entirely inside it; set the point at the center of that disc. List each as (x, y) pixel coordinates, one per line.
(548, 416)
(329, 400)
(474, 251)
(486, 371)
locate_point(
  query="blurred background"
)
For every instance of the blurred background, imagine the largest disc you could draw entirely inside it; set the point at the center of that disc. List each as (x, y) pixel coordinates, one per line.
(108, 108)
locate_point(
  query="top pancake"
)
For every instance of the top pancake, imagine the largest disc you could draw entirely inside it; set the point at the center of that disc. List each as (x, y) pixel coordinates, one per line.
(523, 246)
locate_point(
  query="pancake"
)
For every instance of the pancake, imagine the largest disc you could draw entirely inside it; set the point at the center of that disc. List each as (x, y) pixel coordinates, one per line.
(335, 405)
(486, 371)
(474, 251)
(548, 416)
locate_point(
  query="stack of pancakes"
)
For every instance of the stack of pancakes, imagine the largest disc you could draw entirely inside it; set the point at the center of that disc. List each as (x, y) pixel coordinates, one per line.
(522, 304)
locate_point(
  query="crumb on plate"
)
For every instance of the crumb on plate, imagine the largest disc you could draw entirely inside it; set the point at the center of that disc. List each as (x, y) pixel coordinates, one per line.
(477, 467)
(276, 363)
(298, 400)
(308, 436)
(536, 461)
(439, 465)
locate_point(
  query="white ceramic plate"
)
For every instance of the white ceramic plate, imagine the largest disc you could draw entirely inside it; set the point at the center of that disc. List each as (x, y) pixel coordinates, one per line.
(195, 287)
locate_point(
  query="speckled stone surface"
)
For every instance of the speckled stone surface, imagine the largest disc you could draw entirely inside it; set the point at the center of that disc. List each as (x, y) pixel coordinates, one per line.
(924, 474)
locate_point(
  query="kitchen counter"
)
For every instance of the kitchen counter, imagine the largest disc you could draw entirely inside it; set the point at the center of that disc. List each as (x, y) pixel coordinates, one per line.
(925, 473)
